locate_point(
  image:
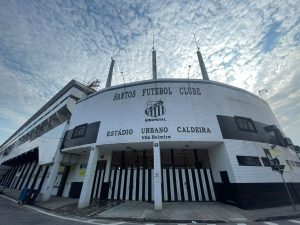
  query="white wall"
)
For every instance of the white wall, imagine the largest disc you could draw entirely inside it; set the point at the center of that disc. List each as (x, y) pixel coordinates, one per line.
(181, 111)
(46, 180)
(253, 174)
(54, 107)
(47, 144)
(74, 174)
(185, 111)
(219, 161)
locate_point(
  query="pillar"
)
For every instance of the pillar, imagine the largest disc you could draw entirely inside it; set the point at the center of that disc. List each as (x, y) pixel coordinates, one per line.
(154, 69)
(202, 66)
(48, 186)
(87, 185)
(110, 73)
(157, 177)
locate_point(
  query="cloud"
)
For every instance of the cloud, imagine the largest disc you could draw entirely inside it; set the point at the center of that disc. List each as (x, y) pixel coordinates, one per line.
(249, 44)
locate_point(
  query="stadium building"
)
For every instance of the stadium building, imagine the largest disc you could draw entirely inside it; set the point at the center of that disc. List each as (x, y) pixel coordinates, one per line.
(156, 140)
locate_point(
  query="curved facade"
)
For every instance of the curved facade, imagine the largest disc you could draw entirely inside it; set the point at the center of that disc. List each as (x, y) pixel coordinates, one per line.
(157, 140)
(167, 110)
(214, 141)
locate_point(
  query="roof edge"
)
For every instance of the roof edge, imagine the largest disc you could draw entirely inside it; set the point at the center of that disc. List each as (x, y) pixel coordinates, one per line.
(67, 87)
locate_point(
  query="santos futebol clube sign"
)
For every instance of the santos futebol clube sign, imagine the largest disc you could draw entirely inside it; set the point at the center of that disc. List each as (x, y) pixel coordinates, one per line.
(155, 111)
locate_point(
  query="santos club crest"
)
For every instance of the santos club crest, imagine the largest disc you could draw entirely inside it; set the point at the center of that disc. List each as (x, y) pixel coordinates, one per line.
(155, 108)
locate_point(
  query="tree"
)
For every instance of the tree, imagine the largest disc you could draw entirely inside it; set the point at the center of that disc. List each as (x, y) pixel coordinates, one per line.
(94, 84)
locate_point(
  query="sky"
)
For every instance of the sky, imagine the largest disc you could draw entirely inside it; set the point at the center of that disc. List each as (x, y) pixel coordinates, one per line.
(253, 45)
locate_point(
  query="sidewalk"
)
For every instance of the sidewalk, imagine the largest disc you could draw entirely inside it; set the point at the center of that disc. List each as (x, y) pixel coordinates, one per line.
(177, 212)
(184, 212)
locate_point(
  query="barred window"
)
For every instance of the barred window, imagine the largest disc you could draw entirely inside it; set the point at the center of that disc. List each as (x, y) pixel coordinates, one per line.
(245, 124)
(79, 131)
(266, 161)
(248, 161)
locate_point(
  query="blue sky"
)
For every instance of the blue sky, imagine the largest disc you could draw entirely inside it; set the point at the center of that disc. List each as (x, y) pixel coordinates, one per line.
(248, 44)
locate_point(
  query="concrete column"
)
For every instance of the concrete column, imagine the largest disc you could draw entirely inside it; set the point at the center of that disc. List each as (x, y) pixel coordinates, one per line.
(108, 166)
(48, 186)
(202, 66)
(87, 185)
(110, 73)
(157, 177)
(154, 69)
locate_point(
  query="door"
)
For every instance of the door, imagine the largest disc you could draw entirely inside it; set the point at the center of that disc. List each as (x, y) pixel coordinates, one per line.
(63, 181)
(227, 191)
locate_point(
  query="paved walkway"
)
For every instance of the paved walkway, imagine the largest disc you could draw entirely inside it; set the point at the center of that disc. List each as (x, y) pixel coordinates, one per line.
(178, 212)
(194, 211)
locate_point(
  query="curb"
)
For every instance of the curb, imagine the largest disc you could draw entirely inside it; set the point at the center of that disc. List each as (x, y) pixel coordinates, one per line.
(281, 217)
(159, 220)
(126, 219)
(134, 219)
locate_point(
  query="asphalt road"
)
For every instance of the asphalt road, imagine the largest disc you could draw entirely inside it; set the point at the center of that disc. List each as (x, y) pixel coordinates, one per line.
(13, 214)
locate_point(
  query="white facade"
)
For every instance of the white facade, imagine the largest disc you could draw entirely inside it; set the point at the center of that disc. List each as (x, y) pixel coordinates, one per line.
(33, 151)
(186, 118)
(139, 133)
(182, 111)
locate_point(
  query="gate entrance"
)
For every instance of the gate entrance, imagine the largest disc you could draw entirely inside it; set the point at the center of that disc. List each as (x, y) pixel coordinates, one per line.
(187, 185)
(186, 176)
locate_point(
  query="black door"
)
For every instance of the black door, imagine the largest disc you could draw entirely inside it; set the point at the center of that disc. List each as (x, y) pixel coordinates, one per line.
(63, 181)
(75, 189)
(227, 190)
(104, 191)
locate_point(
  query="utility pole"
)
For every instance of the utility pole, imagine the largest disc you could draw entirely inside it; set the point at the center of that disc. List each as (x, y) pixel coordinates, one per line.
(280, 169)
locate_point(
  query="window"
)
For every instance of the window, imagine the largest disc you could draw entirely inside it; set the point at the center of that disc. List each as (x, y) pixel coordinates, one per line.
(79, 131)
(248, 161)
(265, 161)
(245, 124)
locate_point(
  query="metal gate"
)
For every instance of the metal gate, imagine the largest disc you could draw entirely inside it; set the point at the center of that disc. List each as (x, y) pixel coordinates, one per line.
(186, 176)
(177, 185)
(131, 184)
(187, 185)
